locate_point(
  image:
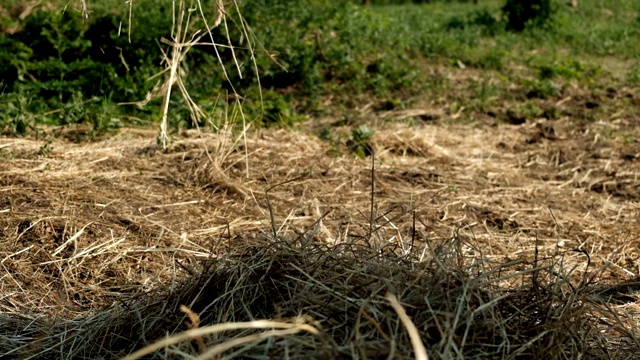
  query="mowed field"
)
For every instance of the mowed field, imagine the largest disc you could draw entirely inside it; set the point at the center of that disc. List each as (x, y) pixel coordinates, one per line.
(494, 209)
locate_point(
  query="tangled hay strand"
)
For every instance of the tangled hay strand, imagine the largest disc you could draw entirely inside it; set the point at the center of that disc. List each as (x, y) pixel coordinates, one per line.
(455, 303)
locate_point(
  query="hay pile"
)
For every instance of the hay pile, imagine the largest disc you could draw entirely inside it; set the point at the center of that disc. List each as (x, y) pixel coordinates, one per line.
(495, 245)
(463, 307)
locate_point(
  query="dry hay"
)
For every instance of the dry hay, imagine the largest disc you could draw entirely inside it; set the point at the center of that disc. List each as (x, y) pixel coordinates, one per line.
(460, 305)
(502, 242)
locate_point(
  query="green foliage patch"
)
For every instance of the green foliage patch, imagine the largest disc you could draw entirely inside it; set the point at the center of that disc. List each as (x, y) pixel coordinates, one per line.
(63, 69)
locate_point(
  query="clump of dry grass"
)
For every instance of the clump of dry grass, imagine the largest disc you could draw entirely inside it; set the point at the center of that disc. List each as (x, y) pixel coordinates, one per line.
(334, 303)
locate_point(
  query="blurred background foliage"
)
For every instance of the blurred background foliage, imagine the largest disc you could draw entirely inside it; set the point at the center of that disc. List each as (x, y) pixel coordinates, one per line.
(58, 68)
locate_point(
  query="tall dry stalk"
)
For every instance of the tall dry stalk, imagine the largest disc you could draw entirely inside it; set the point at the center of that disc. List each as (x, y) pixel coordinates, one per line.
(181, 43)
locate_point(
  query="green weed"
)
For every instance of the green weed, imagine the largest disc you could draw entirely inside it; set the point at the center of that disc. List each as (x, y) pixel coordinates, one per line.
(541, 89)
(360, 142)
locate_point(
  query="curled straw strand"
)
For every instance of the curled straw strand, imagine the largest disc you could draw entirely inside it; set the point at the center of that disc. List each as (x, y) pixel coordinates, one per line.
(195, 333)
(418, 347)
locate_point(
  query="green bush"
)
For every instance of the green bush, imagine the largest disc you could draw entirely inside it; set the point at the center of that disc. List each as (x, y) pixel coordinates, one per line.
(523, 13)
(481, 18)
(325, 43)
(61, 62)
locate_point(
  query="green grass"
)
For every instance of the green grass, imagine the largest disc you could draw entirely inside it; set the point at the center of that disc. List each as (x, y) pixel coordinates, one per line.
(63, 70)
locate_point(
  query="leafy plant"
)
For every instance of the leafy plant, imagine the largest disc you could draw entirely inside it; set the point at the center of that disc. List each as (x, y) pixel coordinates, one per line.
(360, 142)
(278, 111)
(541, 89)
(14, 119)
(482, 19)
(524, 13)
(527, 111)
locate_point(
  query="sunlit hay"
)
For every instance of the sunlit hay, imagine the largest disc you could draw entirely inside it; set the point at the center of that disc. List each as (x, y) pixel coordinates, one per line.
(194, 323)
(455, 303)
(102, 242)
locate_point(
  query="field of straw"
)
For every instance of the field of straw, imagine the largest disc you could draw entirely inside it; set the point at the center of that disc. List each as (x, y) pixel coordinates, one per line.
(450, 242)
(505, 242)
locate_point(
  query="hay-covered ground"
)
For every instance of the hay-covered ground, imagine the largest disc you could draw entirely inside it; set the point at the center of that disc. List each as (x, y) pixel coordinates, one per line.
(499, 241)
